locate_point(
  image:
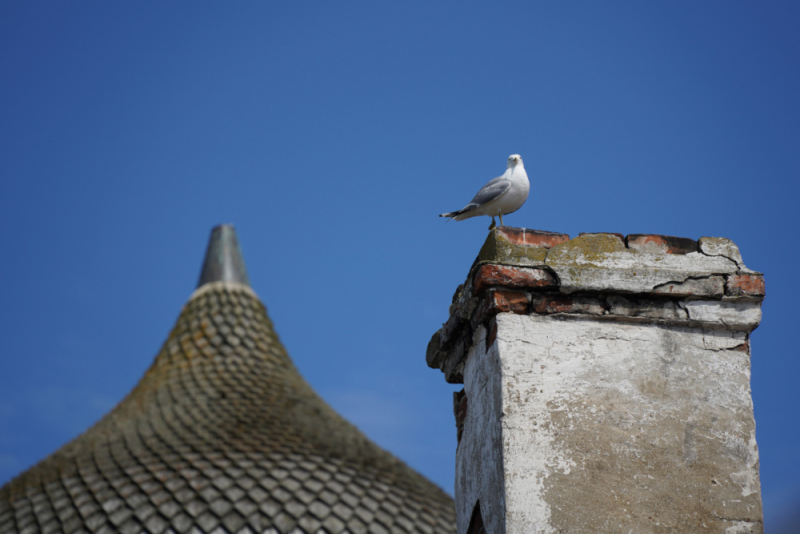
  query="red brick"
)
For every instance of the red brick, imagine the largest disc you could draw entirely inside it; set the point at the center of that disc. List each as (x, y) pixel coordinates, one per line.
(510, 301)
(512, 277)
(552, 304)
(665, 243)
(564, 304)
(745, 285)
(498, 302)
(536, 238)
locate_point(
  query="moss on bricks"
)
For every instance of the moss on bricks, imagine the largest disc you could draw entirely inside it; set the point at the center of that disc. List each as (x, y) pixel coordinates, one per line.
(498, 249)
(586, 250)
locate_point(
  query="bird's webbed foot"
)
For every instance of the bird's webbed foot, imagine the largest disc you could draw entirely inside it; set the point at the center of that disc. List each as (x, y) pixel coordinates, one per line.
(493, 225)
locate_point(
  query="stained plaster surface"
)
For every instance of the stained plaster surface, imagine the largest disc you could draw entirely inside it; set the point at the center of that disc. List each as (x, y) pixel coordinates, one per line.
(601, 262)
(578, 425)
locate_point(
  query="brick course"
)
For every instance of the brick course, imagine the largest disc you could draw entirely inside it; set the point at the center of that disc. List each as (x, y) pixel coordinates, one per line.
(536, 238)
(507, 279)
(511, 277)
(745, 285)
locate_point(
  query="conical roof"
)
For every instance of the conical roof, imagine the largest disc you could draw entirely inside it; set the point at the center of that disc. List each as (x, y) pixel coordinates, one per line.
(223, 435)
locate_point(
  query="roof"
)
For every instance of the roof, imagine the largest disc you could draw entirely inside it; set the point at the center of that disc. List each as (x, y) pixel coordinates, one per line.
(222, 434)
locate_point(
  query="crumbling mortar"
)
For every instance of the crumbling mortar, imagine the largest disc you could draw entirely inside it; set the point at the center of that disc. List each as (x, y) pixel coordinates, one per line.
(736, 348)
(604, 304)
(688, 278)
(477, 265)
(552, 272)
(748, 298)
(740, 266)
(456, 375)
(451, 361)
(659, 297)
(644, 320)
(638, 296)
(743, 298)
(466, 330)
(466, 303)
(454, 335)
(466, 306)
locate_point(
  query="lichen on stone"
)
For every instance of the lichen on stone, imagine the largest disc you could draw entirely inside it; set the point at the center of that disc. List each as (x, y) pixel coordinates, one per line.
(498, 249)
(590, 249)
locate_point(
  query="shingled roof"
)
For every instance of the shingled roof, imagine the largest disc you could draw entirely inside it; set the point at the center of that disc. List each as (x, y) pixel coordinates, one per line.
(223, 435)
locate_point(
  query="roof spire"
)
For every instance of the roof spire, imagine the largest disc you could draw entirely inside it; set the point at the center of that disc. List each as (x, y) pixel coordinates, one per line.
(224, 261)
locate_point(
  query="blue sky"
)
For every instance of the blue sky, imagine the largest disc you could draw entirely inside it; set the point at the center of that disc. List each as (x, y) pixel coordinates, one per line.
(331, 135)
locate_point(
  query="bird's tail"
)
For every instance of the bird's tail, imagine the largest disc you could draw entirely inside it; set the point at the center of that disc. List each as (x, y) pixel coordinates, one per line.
(452, 214)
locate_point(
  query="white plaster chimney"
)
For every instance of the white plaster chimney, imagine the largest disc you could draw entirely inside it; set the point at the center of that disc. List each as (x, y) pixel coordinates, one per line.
(606, 385)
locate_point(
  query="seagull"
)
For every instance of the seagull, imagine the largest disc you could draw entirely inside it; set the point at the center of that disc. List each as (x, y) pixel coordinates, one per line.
(501, 196)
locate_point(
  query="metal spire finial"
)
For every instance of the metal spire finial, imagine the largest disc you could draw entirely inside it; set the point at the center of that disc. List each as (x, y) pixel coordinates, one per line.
(224, 261)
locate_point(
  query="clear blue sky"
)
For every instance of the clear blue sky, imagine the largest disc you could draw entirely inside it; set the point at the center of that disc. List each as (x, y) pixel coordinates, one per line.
(332, 134)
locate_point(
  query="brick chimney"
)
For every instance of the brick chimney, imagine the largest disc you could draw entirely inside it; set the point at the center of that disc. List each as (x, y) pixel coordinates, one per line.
(606, 385)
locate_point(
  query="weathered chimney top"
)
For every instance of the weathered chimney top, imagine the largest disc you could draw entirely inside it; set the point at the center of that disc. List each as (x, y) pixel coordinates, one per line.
(634, 278)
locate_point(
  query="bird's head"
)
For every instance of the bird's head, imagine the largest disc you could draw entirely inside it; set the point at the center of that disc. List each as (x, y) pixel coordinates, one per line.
(514, 160)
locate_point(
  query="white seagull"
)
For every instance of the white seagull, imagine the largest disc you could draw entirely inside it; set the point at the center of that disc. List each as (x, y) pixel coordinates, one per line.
(501, 196)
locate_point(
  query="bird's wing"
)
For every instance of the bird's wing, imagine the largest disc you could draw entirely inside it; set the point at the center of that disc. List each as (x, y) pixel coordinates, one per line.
(489, 192)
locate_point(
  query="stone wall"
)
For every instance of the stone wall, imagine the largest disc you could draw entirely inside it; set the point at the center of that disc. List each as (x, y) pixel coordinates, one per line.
(606, 384)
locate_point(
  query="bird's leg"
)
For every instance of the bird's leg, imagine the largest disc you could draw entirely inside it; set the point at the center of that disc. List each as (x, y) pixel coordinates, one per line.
(501, 219)
(492, 226)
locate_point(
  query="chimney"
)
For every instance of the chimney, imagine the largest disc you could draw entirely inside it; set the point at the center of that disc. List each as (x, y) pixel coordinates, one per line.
(606, 385)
